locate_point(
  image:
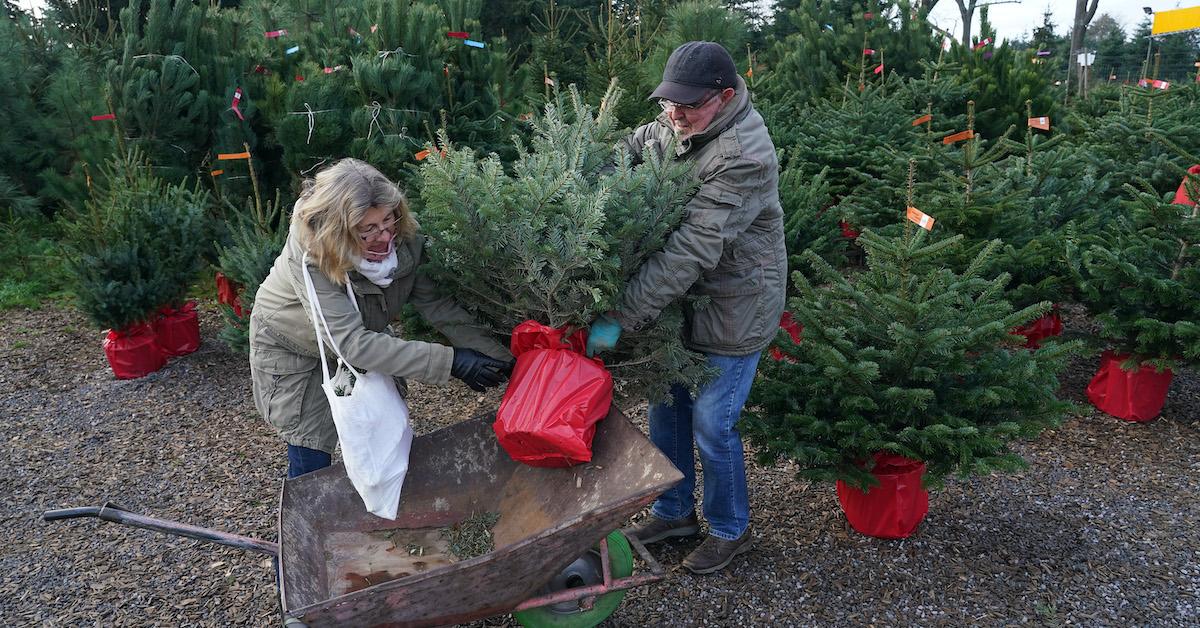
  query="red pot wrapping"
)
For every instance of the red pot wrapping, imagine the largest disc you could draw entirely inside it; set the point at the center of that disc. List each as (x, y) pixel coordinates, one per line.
(1136, 395)
(133, 352)
(178, 330)
(555, 398)
(227, 293)
(894, 508)
(1049, 325)
(1181, 195)
(794, 329)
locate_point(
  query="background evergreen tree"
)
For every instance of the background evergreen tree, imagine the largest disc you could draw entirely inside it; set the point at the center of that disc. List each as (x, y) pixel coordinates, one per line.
(256, 238)
(910, 358)
(1001, 81)
(825, 43)
(1144, 138)
(408, 79)
(1141, 279)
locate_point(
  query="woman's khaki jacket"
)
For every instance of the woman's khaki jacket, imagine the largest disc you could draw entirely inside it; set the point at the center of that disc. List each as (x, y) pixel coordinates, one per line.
(285, 373)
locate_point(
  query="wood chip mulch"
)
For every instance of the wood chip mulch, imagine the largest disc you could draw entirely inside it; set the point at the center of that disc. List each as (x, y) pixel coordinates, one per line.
(1103, 528)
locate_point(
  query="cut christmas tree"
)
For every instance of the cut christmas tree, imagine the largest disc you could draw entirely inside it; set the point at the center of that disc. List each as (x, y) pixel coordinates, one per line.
(554, 238)
(910, 363)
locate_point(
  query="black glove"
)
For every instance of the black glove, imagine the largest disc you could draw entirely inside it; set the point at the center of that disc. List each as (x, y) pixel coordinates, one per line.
(478, 371)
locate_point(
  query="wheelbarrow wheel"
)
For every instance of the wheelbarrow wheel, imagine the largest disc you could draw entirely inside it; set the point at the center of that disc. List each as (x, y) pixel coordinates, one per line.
(585, 571)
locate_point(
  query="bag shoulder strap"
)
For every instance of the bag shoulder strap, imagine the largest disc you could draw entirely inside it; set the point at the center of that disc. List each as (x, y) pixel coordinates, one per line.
(318, 318)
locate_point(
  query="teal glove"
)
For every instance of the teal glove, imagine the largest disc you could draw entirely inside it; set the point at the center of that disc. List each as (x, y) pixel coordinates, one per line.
(602, 335)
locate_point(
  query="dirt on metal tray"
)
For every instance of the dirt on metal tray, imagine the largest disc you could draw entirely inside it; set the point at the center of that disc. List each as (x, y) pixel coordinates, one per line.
(357, 560)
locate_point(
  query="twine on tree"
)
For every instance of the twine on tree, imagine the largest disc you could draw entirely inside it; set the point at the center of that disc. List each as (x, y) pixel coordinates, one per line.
(383, 54)
(374, 108)
(314, 167)
(176, 57)
(312, 121)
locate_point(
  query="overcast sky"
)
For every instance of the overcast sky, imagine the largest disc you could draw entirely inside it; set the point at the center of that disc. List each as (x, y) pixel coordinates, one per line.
(1014, 21)
(1011, 21)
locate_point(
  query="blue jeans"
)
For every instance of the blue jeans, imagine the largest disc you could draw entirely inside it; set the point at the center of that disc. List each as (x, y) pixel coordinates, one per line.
(302, 460)
(711, 418)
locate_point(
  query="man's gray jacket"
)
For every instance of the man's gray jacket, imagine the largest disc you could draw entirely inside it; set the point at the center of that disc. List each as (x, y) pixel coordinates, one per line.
(730, 245)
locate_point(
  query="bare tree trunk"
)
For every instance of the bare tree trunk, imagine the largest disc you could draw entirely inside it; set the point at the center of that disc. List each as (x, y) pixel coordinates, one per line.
(966, 9)
(1083, 16)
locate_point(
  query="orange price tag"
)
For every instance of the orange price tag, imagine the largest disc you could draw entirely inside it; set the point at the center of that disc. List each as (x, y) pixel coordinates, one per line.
(217, 173)
(1042, 123)
(921, 218)
(422, 155)
(923, 119)
(957, 137)
(233, 156)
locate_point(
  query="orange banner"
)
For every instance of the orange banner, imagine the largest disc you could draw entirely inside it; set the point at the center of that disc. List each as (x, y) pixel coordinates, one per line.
(233, 156)
(958, 137)
(923, 119)
(921, 218)
(1042, 123)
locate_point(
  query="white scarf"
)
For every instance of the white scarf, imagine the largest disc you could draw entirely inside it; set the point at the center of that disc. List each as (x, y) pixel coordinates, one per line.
(379, 273)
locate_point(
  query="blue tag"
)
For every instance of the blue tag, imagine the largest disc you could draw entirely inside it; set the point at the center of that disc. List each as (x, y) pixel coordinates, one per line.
(474, 44)
(292, 50)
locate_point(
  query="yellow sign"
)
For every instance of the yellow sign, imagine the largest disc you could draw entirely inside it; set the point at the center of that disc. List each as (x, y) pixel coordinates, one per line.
(1175, 20)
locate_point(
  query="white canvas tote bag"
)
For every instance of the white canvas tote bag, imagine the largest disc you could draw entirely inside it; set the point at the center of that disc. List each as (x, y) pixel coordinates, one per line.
(371, 419)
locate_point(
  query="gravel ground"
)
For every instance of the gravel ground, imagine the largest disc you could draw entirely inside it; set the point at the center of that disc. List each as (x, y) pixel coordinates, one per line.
(1100, 530)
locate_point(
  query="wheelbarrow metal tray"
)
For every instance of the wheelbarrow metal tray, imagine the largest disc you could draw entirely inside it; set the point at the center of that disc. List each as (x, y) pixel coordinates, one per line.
(337, 569)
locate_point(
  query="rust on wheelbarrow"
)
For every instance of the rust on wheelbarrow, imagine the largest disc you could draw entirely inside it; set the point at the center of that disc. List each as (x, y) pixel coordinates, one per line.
(340, 565)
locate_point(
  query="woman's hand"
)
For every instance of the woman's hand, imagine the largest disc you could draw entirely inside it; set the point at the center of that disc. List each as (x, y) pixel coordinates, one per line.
(478, 371)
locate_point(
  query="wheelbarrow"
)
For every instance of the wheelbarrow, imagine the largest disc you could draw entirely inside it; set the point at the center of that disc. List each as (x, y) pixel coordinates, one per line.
(557, 559)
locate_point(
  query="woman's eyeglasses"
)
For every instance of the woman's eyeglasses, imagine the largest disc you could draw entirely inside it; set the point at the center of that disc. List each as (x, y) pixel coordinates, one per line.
(370, 232)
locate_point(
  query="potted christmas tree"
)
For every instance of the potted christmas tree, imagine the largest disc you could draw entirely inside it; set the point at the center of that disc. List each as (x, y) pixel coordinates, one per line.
(132, 248)
(1141, 280)
(906, 374)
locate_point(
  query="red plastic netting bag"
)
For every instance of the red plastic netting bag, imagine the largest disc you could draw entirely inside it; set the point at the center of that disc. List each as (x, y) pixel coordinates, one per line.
(1136, 395)
(1048, 326)
(133, 352)
(178, 330)
(1181, 195)
(555, 398)
(894, 508)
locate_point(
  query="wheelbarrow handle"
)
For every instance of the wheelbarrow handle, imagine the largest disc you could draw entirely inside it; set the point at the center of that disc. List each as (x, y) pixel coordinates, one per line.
(70, 513)
(116, 514)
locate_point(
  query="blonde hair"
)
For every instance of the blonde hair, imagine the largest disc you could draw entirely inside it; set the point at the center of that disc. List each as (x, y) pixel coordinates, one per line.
(333, 203)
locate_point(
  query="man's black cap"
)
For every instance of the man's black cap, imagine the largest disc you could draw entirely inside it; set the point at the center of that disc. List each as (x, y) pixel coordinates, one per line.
(694, 70)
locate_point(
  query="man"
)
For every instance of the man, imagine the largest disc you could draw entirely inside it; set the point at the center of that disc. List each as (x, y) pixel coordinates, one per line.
(728, 250)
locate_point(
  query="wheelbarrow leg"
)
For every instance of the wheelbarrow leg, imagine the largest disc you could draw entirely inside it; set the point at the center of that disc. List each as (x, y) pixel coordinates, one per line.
(116, 514)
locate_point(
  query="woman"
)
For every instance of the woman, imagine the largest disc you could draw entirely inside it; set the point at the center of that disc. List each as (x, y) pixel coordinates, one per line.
(355, 226)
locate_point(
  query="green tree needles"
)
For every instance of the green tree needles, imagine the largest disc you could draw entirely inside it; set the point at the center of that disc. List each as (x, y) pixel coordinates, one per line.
(908, 357)
(555, 238)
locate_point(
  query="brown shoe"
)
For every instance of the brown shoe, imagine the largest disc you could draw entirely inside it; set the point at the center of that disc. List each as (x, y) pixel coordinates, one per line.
(651, 529)
(714, 554)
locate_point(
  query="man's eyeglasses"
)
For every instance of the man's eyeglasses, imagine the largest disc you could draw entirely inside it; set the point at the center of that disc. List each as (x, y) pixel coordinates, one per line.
(669, 106)
(370, 232)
